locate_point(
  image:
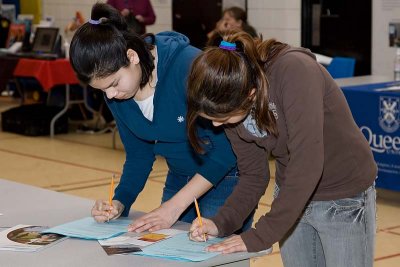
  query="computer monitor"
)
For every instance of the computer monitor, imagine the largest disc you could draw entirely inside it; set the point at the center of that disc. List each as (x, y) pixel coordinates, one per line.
(45, 40)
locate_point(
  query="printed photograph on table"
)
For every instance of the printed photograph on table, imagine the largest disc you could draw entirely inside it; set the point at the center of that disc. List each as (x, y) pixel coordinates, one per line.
(134, 242)
(121, 249)
(27, 238)
(152, 237)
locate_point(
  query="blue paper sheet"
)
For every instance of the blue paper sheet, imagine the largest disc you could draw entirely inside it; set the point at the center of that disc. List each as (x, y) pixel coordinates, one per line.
(88, 228)
(180, 248)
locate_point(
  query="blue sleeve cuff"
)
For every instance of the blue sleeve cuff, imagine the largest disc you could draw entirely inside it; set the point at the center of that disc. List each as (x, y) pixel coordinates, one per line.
(126, 199)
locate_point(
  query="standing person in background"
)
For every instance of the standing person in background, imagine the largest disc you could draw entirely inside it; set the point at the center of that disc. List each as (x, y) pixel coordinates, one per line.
(144, 81)
(137, 13)
(274, 99)
(233, 18)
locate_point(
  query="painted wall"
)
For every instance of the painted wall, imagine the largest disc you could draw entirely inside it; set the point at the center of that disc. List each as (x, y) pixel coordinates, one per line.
(278, 19)
(273, 18)
(383, 12)
(64, 11)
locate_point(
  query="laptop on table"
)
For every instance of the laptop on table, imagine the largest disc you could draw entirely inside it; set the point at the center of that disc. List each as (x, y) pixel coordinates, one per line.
(44, 44)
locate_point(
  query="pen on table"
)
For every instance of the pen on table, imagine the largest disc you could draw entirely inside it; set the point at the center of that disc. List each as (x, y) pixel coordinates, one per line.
(111, 192)
(199, 216)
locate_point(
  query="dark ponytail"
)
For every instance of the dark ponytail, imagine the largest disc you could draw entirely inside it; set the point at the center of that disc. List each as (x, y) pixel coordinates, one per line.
(107, 15)
(98, 48)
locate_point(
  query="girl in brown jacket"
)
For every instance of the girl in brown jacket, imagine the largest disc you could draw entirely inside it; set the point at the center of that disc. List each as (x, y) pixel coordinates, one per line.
(276, 100)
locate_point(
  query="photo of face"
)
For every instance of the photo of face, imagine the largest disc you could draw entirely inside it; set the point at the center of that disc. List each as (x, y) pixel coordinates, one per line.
(32, 236)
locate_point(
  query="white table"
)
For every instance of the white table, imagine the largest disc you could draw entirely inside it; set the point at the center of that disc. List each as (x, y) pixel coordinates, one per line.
(24, 204)
(368, 79)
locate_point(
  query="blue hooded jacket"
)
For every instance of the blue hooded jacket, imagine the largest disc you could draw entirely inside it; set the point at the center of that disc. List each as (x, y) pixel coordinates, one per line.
(166, 135)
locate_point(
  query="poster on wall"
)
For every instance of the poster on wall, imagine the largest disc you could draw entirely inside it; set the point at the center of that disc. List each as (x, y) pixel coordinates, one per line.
(390, 4)
(394, 34)
(16, 33)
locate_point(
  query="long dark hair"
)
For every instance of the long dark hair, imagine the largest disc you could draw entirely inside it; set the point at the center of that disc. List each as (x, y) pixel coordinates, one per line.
(220, 82)
(99, 50)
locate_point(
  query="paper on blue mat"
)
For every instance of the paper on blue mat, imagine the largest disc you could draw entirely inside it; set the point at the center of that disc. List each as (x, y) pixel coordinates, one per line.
(180, 248)
(88, 228)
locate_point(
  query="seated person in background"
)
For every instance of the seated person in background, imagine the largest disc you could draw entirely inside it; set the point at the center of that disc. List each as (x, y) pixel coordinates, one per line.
(137, 13)
(233, 18)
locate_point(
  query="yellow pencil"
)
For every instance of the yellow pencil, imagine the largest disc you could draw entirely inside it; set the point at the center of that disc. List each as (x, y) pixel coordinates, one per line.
(199, 216)
(110, 195)
(111, 190)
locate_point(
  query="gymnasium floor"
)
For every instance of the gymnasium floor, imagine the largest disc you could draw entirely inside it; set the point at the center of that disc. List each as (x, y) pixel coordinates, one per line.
(81, 165)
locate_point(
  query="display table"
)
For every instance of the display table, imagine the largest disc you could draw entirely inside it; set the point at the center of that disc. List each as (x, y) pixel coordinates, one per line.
(23, 204)
(47, 72)
(7, 66)
(376, 110)
(50, 73)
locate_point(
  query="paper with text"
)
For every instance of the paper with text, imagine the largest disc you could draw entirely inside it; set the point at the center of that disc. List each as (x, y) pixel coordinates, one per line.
(134, 242)
(88, 228)
(179, 247)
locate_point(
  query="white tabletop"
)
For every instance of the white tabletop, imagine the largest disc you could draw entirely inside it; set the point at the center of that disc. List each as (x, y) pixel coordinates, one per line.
(24, 204)
(359, 80)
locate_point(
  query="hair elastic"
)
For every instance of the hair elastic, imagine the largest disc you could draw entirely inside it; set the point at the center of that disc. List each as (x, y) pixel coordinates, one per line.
(227, 46)
(94, 22)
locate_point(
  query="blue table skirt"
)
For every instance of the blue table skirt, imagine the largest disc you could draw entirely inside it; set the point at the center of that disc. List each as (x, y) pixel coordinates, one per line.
(377, 113)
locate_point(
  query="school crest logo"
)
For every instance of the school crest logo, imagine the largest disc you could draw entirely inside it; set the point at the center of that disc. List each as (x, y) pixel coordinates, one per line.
(389, 113)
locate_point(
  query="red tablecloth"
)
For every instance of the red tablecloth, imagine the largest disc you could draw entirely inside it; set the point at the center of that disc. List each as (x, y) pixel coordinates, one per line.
(48, 72)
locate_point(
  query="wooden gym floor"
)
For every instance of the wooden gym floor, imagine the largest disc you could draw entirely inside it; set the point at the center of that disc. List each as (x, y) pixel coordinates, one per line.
(81, 165)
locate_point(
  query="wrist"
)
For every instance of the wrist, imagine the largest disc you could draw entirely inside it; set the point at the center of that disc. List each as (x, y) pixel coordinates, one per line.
(117, 204)
(175, 207)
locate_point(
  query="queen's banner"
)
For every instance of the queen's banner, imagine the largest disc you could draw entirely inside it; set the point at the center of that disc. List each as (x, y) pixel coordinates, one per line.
(376, 110)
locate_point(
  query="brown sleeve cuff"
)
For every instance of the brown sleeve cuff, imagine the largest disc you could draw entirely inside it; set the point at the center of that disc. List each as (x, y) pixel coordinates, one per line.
(254, 242)
(224, 229)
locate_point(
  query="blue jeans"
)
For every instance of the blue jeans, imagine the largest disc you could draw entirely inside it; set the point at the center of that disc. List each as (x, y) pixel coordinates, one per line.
(210, 202)
(333, 233)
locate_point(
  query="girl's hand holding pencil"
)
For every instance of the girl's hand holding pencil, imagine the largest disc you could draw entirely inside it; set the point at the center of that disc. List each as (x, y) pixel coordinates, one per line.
(208, 228)
(102, 211)
(197, 231)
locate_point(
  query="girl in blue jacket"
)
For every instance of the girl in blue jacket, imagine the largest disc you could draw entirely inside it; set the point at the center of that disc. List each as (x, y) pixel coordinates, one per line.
(144, 80)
